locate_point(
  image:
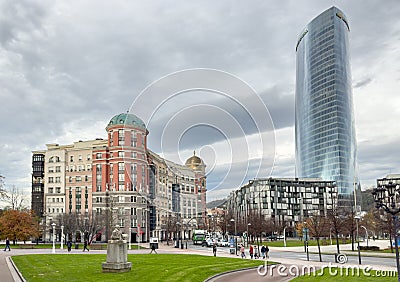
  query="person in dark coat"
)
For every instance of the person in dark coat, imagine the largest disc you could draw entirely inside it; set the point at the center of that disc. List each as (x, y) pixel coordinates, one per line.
(153, 248)
(215, 249)
(85, 244)
(69, 245)
(7, 245)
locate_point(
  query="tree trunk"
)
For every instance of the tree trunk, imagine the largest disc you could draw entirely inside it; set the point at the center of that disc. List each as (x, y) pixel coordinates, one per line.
(337, 243)
(352, 241)
(319, 250)
(391, 244)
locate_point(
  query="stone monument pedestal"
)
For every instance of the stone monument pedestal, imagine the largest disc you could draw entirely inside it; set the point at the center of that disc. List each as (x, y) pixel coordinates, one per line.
(117, 257)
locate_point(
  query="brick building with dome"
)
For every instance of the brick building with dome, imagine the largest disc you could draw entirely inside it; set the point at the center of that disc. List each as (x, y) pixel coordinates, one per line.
(117, 180)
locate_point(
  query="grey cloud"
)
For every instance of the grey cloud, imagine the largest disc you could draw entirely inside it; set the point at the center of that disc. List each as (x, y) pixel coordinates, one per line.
(74, 64)
(362, 83)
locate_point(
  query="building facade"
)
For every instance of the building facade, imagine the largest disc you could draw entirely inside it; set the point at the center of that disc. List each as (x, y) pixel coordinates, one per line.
(325, 133)
(38, 158)
(117, 181)
(284, 201)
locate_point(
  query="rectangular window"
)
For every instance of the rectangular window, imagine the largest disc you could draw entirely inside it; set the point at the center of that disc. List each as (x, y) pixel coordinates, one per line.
(121, 187)
(51, 180)
(58, 190)
(121, 177)
(78, 179)
(58, 168)
(80, 157)
(121, 137)
(71, 159)
(51, 169)
(121, 154)
(121, 167)
(51, 190)
(134, 140)
(88, 157)
(86, 178)
(98, 155)
(58, 179)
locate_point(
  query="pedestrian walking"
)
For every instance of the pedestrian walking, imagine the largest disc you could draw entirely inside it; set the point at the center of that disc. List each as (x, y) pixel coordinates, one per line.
(263, 250)
(251, 250)
(153, 248)
(7, 245)
(85, 246)
(266, 251)
(215, 249)
(69, 245)
(242, 253)
(256, 252)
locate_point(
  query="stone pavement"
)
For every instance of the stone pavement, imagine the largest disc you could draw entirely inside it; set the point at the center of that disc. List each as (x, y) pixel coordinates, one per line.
(9, 274)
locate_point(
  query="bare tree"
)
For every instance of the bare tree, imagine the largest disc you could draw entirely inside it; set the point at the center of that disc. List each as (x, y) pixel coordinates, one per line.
(69, 221)
(337, 220)
(350, 224)
(373, 222)
(318, 226)
(13, 197)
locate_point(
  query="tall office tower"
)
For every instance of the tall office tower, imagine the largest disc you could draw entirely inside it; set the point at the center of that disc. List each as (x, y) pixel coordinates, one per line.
(325, 134)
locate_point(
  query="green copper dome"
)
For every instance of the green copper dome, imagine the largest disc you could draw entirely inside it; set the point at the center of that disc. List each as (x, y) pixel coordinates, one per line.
(126, 119)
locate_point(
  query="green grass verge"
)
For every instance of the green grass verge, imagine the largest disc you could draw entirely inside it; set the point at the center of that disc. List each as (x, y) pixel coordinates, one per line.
(298, 243)
(145, 267)
(344, 275)
(97, 246)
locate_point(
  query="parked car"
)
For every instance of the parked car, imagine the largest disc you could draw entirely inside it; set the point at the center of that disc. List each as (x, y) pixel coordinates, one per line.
(272, 237)
(207, 243)
(222, 243)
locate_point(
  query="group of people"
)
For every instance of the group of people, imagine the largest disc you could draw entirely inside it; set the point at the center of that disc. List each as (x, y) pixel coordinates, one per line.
(85, 245)
(253, 252)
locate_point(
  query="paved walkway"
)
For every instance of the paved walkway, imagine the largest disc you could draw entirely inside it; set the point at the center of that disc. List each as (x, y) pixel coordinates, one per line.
(8, 273)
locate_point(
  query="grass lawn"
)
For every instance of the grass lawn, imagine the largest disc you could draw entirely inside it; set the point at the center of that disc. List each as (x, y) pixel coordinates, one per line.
(145, 267)
(95, 246)
(297, 243)
(347, 275)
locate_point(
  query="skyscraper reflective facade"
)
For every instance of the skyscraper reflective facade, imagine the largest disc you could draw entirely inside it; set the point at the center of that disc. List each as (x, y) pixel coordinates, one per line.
(325, 134)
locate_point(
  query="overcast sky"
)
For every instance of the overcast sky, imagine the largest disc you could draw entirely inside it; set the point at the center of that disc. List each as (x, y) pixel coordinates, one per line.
(67, 67)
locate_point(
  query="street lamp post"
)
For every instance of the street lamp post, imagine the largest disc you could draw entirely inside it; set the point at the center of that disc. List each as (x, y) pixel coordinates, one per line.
(284, 236)
(130, 238)
(305, 229)
(177, 234)
(54, 238)
(234, 221)
(357, 218)
(62, 237)
(366, 233)
(248, 225)
(386, 197)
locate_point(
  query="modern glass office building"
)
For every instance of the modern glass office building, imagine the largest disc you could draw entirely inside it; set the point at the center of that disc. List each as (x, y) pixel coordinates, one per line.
(325, 134)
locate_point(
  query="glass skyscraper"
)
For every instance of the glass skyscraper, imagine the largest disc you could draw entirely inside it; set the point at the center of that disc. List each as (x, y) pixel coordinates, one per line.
(325, 134)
